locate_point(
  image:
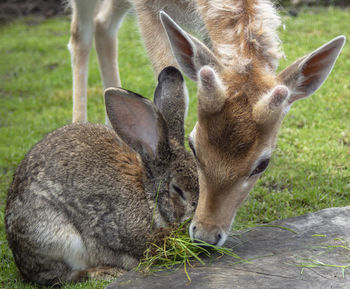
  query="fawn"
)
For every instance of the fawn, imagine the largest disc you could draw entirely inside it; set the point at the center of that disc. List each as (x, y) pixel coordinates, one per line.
(241, 99)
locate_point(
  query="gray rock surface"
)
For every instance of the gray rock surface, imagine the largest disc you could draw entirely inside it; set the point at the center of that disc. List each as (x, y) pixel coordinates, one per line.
(273, 254)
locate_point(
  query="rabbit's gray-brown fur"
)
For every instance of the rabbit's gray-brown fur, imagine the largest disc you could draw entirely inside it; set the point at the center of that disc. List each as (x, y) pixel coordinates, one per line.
(84, 196)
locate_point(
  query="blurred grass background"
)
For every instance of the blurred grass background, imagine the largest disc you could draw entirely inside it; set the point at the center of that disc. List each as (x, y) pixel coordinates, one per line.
(310, 168)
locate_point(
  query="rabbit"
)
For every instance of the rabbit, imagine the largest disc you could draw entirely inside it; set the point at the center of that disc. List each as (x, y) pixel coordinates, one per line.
(85, 197)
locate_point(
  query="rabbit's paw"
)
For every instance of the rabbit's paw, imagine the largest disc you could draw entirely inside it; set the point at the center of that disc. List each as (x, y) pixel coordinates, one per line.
(105, 273)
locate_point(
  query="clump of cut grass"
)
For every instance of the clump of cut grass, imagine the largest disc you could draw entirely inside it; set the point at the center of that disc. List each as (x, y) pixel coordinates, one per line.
(172, 247)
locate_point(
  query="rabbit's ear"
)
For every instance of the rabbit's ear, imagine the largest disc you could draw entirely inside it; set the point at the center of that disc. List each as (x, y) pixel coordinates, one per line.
(171, 98)
(137, 121)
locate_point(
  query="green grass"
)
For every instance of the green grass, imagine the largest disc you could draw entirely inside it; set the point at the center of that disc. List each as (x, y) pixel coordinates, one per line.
(172, 248)
(310, 169)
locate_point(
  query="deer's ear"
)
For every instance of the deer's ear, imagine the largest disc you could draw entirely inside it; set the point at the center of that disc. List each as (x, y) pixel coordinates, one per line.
(308, 73)
(190, 53)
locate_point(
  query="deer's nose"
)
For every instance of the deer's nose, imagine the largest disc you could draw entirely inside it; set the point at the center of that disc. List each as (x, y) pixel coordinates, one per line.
(212, 235)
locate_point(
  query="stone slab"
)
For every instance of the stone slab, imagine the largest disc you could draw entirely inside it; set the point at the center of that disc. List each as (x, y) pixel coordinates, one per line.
(272, 255)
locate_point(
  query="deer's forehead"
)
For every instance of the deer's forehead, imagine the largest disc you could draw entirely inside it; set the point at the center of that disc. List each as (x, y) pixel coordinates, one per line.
(254, 82)
(233, 130)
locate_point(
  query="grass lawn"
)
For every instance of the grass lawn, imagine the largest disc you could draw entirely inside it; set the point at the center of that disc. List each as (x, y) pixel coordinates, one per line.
(310, 169)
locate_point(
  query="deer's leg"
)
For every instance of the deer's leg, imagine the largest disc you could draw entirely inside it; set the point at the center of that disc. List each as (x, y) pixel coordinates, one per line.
(155, 39)
(82, 28)
(107, 23)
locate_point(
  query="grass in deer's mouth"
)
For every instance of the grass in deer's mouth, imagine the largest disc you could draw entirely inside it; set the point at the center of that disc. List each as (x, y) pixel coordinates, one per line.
(172, 246)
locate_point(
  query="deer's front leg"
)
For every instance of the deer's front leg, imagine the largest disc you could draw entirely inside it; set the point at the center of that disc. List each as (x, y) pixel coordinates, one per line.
(107, 23)
(155, 39)
(82, 28)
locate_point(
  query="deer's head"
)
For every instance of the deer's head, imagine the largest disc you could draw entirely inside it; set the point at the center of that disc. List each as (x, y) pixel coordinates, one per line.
(239, 116)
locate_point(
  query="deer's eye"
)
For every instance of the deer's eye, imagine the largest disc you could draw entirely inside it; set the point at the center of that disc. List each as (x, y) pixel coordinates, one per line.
(179, 191)
(260, 167)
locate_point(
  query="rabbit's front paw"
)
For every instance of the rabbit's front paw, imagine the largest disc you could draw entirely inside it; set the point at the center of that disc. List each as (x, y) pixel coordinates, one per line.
(105, 273)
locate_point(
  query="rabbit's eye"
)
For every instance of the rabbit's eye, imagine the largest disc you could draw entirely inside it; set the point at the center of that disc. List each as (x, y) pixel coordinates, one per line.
(179, 191)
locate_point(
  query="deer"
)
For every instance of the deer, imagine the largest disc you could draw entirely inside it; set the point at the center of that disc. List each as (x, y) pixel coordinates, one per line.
(242, 100)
